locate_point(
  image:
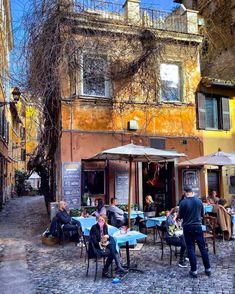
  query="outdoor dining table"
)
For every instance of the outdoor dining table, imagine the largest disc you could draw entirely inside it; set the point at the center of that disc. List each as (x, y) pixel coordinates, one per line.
(111, 231)
(208, 208)
(155, 221)
(127, 238)
(233, 225)
(85, 221)
(135, 214)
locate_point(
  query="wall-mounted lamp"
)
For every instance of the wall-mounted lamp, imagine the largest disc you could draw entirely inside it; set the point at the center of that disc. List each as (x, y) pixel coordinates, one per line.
(16, 97)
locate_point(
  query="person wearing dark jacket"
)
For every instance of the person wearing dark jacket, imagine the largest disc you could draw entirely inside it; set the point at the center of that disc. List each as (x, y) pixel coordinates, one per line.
(67, 223)
(103, 245)
(149, 204)
(191, 212)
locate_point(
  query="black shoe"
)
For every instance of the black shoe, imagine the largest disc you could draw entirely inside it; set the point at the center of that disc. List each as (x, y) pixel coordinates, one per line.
(106, 275)
(193, 274)
(208, 272)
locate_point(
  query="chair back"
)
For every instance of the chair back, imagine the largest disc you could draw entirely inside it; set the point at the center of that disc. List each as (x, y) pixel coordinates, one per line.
(86, 243)
(162, 229)
(150, 214)
(210, 223)
(111, 218)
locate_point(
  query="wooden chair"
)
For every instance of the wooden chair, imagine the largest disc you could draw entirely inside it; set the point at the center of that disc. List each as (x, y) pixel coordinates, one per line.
(96, 259)
(210, 224)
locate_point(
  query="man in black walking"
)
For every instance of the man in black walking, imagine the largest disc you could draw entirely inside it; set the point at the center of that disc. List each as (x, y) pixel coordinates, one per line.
(191, 212)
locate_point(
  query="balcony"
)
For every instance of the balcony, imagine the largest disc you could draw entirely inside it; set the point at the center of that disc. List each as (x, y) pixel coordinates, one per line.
(180, 20)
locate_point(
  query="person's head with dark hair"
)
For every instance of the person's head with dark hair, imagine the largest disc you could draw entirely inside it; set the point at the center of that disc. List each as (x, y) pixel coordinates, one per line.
(188, 189)
(100, 205)
(222, 202)
(114, 201)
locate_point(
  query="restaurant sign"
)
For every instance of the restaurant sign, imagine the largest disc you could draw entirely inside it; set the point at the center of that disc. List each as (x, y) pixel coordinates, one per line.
(191, 178)
(71, 184)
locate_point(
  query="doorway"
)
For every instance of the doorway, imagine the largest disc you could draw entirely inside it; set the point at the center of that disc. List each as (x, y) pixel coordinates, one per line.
(213, 180)
(158, 181)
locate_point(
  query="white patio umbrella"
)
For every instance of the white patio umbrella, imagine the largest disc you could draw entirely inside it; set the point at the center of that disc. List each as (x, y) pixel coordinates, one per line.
(218, 158)
(136, 153)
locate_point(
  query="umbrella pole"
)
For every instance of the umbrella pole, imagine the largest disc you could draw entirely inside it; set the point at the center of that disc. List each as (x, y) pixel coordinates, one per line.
(130, 193)
(221, 192)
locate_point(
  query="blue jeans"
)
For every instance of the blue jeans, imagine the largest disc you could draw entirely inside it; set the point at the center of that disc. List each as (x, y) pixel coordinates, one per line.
(192, 234)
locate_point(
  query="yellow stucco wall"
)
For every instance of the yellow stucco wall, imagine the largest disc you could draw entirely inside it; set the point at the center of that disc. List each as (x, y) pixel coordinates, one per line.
(225, 140)
(32, 129)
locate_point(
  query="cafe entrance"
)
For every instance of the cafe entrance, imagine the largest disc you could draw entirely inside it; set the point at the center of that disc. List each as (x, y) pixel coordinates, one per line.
(158, 181)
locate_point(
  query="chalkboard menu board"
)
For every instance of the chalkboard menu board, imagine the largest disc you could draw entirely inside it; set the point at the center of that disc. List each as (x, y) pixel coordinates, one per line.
(191, 178)
(71, 184)
(122, 187)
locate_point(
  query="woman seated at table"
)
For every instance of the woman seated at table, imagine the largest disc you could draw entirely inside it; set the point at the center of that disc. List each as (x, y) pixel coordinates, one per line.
(149, 204)
(103, 245)
(100, 209)
(174, 234)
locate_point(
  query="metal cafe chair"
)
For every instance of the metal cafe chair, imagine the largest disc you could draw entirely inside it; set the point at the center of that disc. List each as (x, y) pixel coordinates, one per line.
(161, 230)
(96, 259)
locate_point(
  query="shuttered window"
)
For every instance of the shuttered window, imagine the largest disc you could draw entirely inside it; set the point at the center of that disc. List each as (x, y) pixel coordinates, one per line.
(201, 111)
(225, 114)
(213, 112)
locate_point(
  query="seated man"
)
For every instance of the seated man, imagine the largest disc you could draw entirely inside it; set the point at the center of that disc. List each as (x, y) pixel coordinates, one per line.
(119, 213)
(67, 223)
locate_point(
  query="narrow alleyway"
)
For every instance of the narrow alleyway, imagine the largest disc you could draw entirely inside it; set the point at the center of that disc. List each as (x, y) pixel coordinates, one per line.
(27, 266)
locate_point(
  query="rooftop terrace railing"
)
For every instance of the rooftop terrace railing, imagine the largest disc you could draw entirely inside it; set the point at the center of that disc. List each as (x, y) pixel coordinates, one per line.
(170, 21)
(107, 10)
(163, 20)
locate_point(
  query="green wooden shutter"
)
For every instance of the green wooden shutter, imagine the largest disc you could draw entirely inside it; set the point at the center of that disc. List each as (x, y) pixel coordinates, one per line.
(225, 114)
(201, 111)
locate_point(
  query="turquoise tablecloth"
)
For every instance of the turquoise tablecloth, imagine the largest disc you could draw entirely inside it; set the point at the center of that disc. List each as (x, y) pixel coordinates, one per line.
(135, 214)
(131, 237)
(233, 218)
(111, 230)
(155, 221)
(208, 208)
(233, 225)
(85, 221)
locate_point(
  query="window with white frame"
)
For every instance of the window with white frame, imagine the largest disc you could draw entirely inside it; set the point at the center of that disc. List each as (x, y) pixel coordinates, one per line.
(170, 82)
(94, 75)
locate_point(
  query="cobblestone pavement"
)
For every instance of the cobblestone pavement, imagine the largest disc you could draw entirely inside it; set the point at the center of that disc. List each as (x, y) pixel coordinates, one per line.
(60, 269)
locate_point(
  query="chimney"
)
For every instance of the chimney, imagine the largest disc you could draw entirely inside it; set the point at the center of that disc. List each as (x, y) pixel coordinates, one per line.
(132, 11)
